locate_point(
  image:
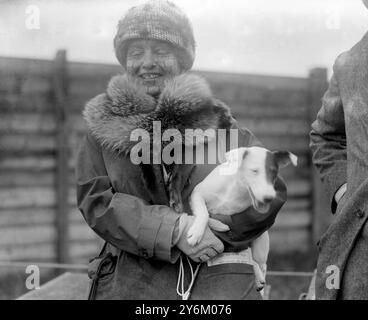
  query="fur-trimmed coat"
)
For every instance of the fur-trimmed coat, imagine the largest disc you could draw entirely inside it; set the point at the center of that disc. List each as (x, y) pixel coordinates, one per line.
(133, 215)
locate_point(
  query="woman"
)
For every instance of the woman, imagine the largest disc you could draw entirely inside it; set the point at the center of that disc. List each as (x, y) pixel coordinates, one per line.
(339, 143)
(146, 255)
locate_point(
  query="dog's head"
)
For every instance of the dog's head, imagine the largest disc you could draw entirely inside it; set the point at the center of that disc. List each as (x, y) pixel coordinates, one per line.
(258, 169)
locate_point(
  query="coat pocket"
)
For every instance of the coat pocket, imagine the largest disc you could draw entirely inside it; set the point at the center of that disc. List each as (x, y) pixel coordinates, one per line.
(340, 204)
(234, 281)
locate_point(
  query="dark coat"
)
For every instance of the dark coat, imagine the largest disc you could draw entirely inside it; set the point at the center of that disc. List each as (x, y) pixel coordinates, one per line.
(339, 141)
(134, 219)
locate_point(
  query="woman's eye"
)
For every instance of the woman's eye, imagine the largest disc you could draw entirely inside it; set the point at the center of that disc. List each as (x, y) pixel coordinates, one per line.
(255, 171)
(161, 51)
(134, 53)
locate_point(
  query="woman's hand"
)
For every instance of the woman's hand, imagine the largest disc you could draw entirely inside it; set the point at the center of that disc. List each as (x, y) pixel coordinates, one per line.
(207, 248)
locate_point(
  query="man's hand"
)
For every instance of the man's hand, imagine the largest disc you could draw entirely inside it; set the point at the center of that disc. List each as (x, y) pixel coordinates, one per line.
(207, 248)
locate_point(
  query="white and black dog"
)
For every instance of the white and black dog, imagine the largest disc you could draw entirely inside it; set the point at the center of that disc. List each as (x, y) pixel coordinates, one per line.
(247, 178)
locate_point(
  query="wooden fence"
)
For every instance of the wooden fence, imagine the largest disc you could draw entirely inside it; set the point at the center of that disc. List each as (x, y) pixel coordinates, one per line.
(41, 126)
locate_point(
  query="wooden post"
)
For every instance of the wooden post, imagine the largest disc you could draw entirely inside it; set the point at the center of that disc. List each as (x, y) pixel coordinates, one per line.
(60, 88)
(320, 205)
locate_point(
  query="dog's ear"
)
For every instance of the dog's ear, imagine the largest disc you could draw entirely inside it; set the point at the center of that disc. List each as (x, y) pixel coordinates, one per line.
(238, 154)
(283, 158)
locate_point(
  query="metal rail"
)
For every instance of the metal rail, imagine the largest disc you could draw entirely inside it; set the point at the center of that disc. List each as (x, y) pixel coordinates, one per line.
(24, 264)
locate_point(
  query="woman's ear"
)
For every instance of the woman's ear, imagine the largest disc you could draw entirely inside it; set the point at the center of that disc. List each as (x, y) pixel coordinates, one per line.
(283, 158)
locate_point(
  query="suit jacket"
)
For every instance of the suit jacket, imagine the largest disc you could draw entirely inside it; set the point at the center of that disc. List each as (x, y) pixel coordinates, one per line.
(339, 142)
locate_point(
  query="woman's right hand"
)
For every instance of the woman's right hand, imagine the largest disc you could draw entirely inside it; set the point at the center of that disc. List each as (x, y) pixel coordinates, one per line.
(207, 248)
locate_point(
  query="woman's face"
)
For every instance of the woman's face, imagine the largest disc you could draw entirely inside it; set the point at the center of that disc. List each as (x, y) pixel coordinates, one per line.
(151, 63)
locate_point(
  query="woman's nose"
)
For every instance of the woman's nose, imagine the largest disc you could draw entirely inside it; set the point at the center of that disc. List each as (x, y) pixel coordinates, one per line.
(149, 60)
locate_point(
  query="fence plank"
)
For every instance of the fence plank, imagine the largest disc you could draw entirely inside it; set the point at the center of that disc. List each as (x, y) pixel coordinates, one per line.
(45, 252)
(24, 67)
(28, 217)
(11, 179)
(276, 126)
(289, 240)
(26, 163)
(25, 102)
(27, 237)
(298, 144)
(268, 111)
(293, 220)
(27, 197)
(25, 144)
(27, 123)
(60, 86)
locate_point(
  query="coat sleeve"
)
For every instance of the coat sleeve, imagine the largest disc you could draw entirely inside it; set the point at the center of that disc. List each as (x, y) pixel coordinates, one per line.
(328, 141)
(125, 221)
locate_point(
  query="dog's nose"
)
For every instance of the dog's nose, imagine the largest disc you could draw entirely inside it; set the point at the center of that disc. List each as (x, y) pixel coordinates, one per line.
(267, 199)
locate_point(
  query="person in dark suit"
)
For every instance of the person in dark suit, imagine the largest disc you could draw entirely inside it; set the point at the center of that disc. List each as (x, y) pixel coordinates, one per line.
(339, 142)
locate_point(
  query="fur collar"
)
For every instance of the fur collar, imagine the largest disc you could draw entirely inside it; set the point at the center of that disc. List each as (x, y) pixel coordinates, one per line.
(185, 103)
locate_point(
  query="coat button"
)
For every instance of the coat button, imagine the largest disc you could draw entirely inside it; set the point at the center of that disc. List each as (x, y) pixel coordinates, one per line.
(144, 253)
(359, 213)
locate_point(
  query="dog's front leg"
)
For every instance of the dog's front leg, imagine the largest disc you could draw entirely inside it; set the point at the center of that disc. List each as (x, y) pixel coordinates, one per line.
(199, 209)
(260, 248)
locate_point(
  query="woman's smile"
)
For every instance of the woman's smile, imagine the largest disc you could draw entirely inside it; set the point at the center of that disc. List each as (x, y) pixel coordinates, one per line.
(150, 76)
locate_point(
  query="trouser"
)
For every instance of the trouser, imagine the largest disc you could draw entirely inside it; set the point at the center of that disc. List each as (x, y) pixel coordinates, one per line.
(128, 276)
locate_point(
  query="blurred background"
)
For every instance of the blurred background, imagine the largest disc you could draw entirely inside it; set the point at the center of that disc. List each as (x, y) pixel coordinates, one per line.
(269, 61)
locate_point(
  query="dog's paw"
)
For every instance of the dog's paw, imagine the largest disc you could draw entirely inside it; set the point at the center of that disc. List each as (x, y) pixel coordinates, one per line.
(177, 206)
(260, 276)
(175, 201)
(194, 235)
(259, 288)
(217, 225)
(260, 285)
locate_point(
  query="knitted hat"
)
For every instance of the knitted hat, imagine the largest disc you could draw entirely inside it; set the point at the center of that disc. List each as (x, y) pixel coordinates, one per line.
(160, 20)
